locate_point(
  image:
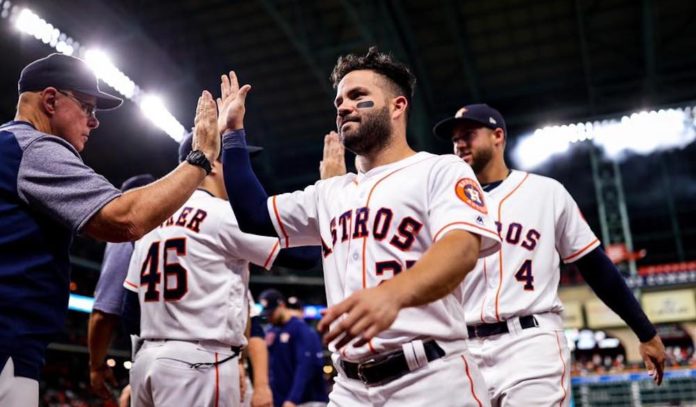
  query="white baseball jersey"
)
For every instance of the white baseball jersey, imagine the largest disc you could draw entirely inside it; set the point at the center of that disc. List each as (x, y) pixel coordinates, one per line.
(191, 273)
(374, 225)
(540, 224)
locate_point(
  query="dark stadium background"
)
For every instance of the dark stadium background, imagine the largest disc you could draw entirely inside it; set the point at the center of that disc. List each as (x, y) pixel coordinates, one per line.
(538, 62)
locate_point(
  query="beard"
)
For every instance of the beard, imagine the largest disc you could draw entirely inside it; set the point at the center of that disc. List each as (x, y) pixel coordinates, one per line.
(480, 159)
(373, 133)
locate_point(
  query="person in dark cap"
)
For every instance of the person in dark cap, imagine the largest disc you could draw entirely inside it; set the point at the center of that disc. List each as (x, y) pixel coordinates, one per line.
(109, 296)
(296, 355)
(519, 319)
(48, 194)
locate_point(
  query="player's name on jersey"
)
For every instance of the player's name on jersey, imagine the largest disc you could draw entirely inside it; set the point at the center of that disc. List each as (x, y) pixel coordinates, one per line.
(188, 217)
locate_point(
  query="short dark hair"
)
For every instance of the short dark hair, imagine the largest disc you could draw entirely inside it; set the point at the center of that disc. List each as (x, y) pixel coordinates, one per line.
(397, 73)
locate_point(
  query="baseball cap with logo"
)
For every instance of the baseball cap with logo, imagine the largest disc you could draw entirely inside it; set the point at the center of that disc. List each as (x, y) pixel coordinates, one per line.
(186, 146)
(479, 113)
(270, 300)
(66, 73)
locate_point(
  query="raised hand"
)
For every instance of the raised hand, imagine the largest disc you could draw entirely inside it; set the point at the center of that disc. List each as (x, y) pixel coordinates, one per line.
(334, 162)
(231, 103)
(205, 133)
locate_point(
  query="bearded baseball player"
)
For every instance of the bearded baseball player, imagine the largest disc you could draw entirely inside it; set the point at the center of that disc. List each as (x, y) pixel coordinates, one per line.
(513, 312)
(397, 238)
(191, 277)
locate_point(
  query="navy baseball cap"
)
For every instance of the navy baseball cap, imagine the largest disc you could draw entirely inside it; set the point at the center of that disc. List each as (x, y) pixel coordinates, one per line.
(479, 113)
(270, 300)
(137, 181)
(65, 72)
(186, 146)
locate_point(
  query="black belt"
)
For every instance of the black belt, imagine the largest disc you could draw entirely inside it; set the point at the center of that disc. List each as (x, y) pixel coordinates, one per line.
(391, 367)
(484, 330)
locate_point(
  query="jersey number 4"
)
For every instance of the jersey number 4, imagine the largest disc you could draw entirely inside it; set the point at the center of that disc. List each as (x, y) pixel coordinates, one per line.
(524, 275)
(174, 273)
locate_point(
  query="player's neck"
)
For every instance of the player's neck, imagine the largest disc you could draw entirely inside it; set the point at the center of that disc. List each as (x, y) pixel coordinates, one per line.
(37, 119)
(496, 170)
(215, 188)
(395, 151)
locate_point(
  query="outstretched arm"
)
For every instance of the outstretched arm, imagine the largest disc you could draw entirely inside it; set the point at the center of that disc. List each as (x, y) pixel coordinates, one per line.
(300, 258)
(246, 194)
(608, 284)
(438, 272)
(140, 210)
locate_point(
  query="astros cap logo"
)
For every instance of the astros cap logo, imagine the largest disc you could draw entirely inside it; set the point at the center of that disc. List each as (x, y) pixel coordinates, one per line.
(468, 191)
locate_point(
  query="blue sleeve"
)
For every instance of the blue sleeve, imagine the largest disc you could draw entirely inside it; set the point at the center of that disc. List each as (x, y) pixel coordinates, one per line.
(246, 194)
(608, 284)
(305, 355)
(256, 328)
(108, 296)
(300, 258)
(130, 315)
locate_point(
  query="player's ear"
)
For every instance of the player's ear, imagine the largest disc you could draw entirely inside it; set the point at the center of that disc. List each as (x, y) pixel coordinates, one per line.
(499, 136)
(48, 100)
(399, 107)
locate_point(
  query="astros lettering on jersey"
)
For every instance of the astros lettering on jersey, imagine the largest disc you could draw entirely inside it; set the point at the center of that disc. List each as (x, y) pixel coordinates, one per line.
(540, 224)
(374, 225)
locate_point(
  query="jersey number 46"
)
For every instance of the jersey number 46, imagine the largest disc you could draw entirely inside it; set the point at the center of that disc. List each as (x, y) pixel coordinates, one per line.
(175, 275)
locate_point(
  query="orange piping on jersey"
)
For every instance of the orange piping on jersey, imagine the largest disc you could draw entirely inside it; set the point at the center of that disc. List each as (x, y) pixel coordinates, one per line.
(280, 222)
(367, 205)
(485, 291)
(270, 255)
(560, 354)
(131, 284)
(581, 251)
(364, 248)
(217, 381)
(462, 223)
(500, 252)
(471, 382)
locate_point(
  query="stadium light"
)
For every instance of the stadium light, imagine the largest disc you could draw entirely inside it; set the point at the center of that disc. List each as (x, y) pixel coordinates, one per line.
(153, 108)
(28, 22)
(640, 133)
(105, 70)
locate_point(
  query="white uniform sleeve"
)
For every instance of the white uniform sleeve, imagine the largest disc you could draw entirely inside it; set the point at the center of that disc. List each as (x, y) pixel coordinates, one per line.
(457, 202)
(574, 238)
(132, 281)
(295, 217)
(260, 250)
